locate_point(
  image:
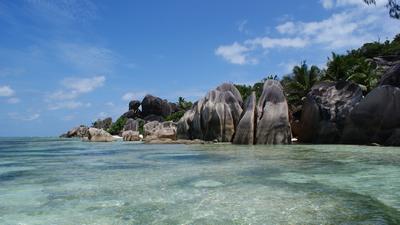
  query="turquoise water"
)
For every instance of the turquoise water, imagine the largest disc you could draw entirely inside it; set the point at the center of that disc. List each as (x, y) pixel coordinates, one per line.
(53, 181)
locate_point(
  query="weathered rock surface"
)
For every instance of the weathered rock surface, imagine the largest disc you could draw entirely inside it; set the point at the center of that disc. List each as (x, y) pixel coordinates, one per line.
(273, 125)
(134, 105)
(214, 117)
(392, 76)
(103, 124)
(325, 111)
(80, 132)
(376, 119)
(99, 135)
(156, 106)
(158, 131)
(131, 135)
(245, 132)
(132, 125)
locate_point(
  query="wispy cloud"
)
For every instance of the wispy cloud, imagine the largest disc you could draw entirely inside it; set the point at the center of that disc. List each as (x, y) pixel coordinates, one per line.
(6, 91)
(351, 24)
(133, 96)
(235, 53)
(67, 105)
(87, 58)
(66, 10)
(74, 87)
(24, 117)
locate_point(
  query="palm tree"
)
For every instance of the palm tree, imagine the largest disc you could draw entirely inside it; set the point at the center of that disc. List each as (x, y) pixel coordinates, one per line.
(298, 84)
(365, 75)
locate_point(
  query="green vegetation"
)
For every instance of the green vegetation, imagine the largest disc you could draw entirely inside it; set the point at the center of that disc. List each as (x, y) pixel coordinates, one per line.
(183, 106)
(117, 126)
(245, 90)
(356, 65)
(300, 82)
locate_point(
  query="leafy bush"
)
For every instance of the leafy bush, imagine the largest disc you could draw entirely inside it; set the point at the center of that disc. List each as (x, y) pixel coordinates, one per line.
(176, 116)
(117, 127)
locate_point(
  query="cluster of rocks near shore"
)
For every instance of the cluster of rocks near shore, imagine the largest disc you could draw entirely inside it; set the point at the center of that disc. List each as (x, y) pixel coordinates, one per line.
(332, 113)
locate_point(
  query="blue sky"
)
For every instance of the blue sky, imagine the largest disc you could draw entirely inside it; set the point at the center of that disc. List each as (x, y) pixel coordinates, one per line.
(68, 62)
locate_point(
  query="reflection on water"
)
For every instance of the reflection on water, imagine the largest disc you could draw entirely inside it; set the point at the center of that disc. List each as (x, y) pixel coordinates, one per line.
(53, 181)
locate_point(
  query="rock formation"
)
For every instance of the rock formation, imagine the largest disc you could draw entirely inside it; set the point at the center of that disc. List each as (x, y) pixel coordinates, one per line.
(132, 125)
(219, 117)
(214, 117)
(246, 129)
(80, 132)
(103, 124)
(99, 135)
(376, 119)
(325, 111)
(392, 76)
(160, 131)
(152, 105)
(273, 117)
(131, 135)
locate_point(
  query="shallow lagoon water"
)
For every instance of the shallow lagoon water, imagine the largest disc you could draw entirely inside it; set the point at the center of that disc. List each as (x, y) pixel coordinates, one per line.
(58, 181)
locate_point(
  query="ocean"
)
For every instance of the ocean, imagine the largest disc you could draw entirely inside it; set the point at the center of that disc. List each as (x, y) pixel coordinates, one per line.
(66, 181)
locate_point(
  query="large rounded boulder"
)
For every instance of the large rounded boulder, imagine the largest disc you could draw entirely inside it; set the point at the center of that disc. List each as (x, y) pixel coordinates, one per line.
(392, 76)
(325, 110)
(99, 135)
(273, 125)
(152, 105)
(376, 119)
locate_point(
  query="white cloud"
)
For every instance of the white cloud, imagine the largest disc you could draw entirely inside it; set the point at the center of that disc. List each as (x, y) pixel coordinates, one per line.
(27, 117)
(133, 96)
(74, 87)
(351, 24)
(235, 53)
(68, 105)
(267, 42)
(87, 57)
(286, 28)
(327, 4)
(6, 91)
(13, 100)
(242, 27)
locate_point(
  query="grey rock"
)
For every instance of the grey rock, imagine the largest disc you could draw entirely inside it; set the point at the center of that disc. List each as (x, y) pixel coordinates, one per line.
(245, 132)
(130, 135)
(134, 105)
(156, 106)
(132, 125)
(99, 135)
(213, 117)
(103, 124)
(376, 119)
(325, 111)
(273, 125)
(391, 77)
(80, 132)
(159, 131)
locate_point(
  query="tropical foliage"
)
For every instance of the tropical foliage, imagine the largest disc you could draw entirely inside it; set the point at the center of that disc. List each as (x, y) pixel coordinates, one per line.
(116, 127)
(300, 82)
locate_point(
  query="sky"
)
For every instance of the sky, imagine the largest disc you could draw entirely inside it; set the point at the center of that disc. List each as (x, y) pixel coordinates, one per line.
(68, 62)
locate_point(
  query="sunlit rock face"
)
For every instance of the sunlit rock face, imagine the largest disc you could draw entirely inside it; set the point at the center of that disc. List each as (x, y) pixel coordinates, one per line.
(246, 127)
(376, 119)
(158, 131)
(219, 116)
(99, 135)
(273, 125)
(214, 117)
(325, 110)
